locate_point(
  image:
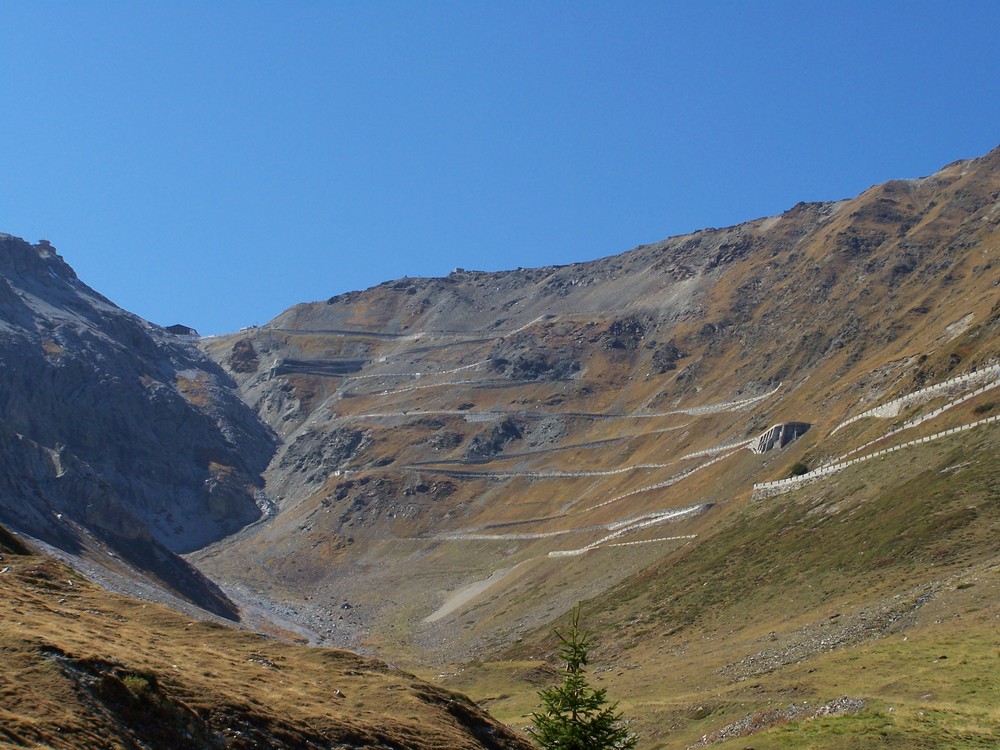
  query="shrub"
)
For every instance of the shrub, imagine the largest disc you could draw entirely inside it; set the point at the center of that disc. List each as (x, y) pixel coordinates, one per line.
(798, 469)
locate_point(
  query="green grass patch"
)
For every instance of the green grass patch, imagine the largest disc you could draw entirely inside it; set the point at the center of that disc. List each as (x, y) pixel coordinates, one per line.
(900, 526)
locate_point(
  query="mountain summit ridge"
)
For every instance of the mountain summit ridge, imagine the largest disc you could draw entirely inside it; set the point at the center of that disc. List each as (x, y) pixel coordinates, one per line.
(562, 278)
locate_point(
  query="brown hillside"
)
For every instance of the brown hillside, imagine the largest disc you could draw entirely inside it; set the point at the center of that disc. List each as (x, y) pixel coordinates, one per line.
(84, 668)
(465, 458)
(442, 432)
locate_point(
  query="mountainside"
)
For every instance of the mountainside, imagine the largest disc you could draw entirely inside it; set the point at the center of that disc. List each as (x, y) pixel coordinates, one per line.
(85, 668)
(462, 459)
(120, 437)
(421, 417)
(763, 457)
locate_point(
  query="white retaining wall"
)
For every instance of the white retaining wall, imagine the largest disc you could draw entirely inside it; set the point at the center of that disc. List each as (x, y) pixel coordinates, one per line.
(921, 419)
(892, 408)
(780, 486)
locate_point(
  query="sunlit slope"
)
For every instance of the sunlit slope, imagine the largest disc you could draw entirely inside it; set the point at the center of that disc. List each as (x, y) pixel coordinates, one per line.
(862, 609)
(85, 668)
(464, 458)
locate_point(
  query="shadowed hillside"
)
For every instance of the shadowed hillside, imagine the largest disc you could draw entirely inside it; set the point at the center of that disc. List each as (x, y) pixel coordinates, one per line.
(123, 443)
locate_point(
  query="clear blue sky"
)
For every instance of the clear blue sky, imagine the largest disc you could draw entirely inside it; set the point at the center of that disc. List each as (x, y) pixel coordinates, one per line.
(214, 163)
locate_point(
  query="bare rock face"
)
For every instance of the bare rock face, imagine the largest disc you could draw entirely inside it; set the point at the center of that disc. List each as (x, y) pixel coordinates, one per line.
(60, 500)
(494, 440)
(244, 357)
(114, 427)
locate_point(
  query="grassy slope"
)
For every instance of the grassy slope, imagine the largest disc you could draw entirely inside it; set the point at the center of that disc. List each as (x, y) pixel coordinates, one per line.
(84, 668)
(881, 585)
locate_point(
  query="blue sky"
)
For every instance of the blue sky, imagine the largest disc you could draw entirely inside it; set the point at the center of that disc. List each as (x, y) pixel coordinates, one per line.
(215, 163)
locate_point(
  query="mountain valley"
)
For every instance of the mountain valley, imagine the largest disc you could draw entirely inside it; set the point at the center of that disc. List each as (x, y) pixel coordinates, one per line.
(763, 458)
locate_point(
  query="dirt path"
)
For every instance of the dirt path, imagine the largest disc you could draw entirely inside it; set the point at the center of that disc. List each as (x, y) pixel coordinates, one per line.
(485, 416)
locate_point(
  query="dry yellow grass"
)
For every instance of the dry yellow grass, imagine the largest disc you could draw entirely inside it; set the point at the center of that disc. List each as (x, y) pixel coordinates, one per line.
(84, 668)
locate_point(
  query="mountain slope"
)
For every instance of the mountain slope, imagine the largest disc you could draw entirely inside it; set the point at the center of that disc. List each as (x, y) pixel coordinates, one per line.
(120, 437)
(761, 455)
(862, 608)
(463, 458)
(85, 668)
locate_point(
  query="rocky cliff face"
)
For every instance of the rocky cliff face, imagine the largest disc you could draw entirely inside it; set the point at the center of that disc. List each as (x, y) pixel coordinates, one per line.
(114, 427)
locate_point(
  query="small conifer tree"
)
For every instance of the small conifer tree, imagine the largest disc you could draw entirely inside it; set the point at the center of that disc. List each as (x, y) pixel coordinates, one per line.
(576, 716)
